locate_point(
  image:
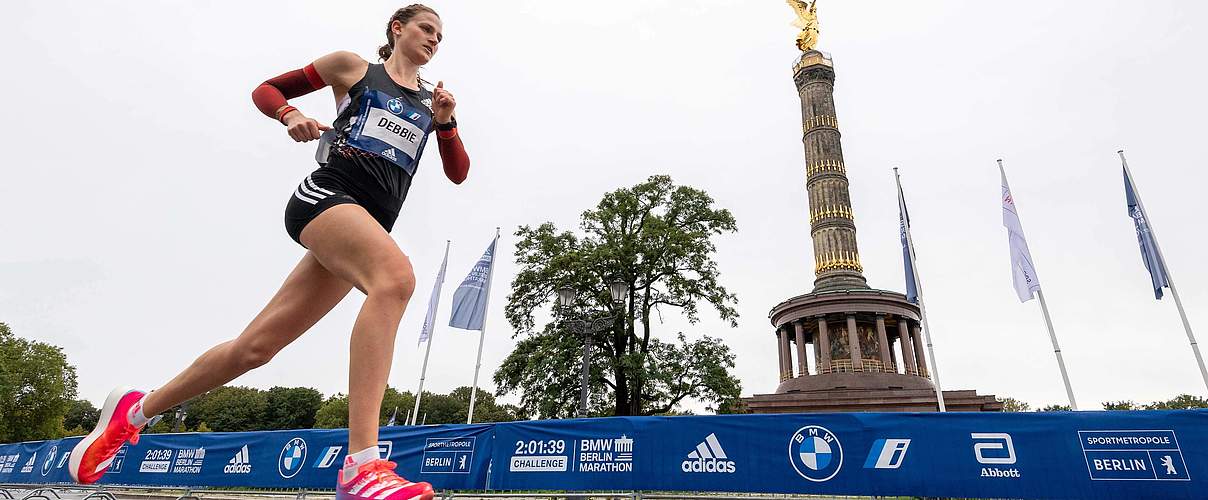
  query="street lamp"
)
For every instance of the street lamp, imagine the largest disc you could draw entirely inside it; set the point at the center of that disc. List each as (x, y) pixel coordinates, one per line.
(589, 326)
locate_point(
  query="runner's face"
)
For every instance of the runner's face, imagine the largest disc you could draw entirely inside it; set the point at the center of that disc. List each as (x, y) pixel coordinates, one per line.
(419, 39)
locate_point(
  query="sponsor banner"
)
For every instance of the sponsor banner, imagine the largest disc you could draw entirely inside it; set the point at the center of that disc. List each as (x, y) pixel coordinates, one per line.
(1124, 455)
(987, 455)
(453, 456)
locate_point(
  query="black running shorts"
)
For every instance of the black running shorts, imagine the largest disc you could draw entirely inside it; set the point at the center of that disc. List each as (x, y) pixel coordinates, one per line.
(340, 181)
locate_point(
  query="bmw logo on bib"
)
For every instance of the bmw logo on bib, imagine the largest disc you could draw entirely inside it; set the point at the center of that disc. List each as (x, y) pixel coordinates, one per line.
(815, 453)
(293, 456)
(395, 105)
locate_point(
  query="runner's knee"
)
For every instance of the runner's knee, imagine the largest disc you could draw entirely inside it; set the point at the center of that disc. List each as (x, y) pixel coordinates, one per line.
(395, 280)
(254, 354)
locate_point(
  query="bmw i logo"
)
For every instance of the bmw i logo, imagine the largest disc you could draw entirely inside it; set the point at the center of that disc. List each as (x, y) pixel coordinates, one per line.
(293, 457)
(395, 105)
(815, 453)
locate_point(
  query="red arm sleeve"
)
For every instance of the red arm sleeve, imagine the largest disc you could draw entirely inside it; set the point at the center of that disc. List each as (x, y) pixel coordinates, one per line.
(271, 95)
(453, 155)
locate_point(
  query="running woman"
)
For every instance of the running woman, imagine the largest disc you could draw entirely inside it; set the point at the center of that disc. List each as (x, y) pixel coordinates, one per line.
(341, 213)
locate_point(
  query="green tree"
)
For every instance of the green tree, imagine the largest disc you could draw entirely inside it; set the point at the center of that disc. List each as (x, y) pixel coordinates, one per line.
(227, 409)
(404, 401)
(656, 237)
(37, 387)
(1055, 408)
(333, 414)
(1182, 402)
(1012, 404)
(81, 414)
(291, 408)
(1120, 405)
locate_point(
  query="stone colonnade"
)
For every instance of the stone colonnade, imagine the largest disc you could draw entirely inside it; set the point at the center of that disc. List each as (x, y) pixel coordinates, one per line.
(831, 337)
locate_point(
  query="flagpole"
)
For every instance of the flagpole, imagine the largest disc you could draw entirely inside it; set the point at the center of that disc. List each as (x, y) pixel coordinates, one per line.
(1069, 391)
(1195, 347)
(918, 285)
(483, 332)
(1048, 322)
(423, 373)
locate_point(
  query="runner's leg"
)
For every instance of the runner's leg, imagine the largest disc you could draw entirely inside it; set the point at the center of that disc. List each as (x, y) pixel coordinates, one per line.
(355, 247)
(309, 293)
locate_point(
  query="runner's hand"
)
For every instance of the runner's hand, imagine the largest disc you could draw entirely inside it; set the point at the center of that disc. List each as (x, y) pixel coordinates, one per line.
(303, 129)
(442, 103)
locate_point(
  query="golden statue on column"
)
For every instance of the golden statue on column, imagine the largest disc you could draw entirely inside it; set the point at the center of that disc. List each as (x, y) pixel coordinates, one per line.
(807, 20)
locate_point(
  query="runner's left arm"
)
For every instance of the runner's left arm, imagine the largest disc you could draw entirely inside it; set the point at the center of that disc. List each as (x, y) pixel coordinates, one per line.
(452, 151)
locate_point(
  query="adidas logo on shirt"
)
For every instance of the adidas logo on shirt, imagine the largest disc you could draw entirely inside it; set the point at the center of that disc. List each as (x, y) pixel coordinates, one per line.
(389, 154)
(239, 464)
(708, 457)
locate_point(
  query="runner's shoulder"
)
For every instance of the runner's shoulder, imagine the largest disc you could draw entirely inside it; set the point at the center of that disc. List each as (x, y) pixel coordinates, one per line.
(343, 68)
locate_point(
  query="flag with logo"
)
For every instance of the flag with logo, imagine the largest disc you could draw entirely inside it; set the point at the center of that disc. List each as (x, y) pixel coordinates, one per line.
(434, 302)
(470, 299)
(1149, 248)
(912, 289)
(1023, 273)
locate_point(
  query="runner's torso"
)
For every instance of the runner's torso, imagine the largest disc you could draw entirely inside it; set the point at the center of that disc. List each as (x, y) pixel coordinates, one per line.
(382, 127)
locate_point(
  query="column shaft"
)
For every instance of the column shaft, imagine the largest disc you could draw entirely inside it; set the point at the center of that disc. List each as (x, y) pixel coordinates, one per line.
(884, 342)
(780, 351)
(853, 344)
(908, 365)
(803, 364)
(817, 353)
(920, 356)
(824, 340)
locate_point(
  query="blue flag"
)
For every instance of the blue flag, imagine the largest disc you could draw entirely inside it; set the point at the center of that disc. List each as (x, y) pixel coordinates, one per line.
(912, 289)
(470, 299)
(1149, 248)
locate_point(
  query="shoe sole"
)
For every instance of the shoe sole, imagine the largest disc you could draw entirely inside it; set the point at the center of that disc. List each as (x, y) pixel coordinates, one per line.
(77, 453)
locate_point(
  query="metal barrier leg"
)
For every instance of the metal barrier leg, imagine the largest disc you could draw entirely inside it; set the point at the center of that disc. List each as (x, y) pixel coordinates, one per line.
(99, 494)
(188, 495)
(301, 495)
(6, 494)
(39, 493)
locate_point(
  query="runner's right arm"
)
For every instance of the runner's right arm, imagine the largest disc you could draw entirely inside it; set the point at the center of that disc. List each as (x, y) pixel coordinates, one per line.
(335, 69)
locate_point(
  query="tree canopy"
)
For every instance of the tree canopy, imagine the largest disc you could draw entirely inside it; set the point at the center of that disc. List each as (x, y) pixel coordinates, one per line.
(657, 238)
(37, 387)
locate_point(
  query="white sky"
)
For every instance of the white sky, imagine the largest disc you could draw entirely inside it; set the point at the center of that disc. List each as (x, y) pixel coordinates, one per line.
(141, 193)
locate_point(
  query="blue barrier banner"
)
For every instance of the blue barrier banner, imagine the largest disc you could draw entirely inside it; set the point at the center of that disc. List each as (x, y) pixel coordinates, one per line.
(448, 456)
(1125, 455)
(1119, 454)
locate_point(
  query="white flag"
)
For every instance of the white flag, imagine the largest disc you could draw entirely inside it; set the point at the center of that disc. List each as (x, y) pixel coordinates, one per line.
(1023, 274)
(433, 302)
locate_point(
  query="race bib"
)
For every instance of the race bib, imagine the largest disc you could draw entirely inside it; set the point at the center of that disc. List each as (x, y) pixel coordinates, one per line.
(390, 128)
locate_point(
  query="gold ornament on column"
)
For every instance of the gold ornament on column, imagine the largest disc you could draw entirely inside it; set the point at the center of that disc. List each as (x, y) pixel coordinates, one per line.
(807, 20)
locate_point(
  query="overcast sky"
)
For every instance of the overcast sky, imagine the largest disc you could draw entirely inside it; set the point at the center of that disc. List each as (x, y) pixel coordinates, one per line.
(142, 193)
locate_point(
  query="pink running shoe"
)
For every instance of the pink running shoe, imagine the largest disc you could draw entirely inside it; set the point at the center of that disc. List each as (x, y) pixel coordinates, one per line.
(91, 456)
(376, 480)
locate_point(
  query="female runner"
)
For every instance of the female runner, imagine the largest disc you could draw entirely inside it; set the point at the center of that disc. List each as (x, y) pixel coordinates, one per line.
(341, 213)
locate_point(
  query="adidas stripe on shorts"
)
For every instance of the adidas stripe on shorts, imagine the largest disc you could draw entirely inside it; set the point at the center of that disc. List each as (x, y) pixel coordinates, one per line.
(339, 182)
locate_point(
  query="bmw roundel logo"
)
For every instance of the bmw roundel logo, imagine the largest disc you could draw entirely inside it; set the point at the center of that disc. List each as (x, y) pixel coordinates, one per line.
(815, 453)
(395, 105)
(293, 456)
(50, 459)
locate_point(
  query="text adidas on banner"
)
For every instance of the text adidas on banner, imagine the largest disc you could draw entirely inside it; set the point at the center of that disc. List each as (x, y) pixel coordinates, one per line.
(708, 457)
(241, 463)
